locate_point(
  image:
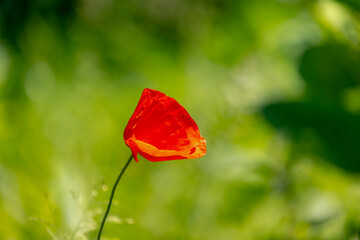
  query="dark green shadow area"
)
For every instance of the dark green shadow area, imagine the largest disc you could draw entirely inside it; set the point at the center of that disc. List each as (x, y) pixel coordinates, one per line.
(329, 71)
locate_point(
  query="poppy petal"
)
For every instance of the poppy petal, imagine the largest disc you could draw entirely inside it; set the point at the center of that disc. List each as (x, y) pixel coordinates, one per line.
(161, 129)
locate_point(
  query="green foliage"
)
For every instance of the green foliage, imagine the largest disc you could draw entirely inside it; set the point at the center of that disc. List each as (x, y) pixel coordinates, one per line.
(273, 85)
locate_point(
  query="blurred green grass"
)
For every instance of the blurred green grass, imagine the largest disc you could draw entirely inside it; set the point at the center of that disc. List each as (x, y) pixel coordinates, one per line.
(273, 86)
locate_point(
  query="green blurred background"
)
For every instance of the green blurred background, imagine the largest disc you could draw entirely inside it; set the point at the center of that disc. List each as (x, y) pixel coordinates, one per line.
(273, 85)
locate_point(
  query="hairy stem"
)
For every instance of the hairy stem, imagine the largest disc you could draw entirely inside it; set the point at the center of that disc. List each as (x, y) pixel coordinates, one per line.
(112, 196)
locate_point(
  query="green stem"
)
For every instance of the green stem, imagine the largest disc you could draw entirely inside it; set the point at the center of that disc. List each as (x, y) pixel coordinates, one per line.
(112, 196)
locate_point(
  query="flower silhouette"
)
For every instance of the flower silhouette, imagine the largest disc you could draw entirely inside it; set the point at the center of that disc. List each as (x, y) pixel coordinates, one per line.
(161, 129)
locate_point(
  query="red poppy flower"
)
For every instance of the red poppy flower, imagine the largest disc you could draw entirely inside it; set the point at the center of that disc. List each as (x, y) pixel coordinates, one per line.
(161, 129)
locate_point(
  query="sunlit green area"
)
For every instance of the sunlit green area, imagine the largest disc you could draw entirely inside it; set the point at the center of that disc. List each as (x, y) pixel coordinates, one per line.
(274, 87)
